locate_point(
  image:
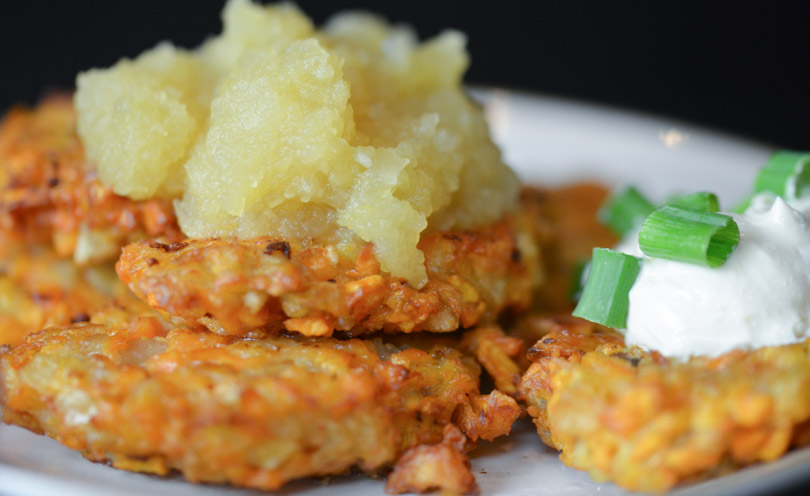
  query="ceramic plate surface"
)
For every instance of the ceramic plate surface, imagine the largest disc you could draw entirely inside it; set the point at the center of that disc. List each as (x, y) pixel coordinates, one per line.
(549, 141)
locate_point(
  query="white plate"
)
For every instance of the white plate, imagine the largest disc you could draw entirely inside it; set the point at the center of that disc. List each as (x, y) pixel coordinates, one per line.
(548, 141)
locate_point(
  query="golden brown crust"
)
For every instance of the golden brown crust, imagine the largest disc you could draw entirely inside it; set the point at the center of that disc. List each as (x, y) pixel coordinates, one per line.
(500, 355)
(50, 194)
(648, 423)
(254, 411)
(438, 467)
(234, 286)
(504, 354)
(487, 416)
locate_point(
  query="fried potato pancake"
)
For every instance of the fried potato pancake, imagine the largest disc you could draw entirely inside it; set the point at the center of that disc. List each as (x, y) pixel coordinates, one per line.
(233, 286)
(39, 289)
(648, 423)
(50, 194)
(251, 411)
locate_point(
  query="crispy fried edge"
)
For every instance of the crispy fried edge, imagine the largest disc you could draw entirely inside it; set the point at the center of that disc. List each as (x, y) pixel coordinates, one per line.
(234, 286)
(652, 423)
(488, 416)
(50, 194)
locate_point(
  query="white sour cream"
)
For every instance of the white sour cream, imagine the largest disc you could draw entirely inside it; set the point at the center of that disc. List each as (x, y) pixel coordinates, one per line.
(759, 297)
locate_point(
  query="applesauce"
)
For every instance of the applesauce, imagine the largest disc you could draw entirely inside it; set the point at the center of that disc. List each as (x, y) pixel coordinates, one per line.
(356, 132)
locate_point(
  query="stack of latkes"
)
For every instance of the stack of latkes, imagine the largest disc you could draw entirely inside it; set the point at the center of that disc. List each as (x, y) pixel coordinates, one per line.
(250, 362)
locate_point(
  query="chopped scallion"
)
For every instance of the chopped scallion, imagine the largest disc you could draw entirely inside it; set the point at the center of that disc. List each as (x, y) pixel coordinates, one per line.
(689, 235)
(786, 174)
(625, 210)
(606, 296)
(700, 201)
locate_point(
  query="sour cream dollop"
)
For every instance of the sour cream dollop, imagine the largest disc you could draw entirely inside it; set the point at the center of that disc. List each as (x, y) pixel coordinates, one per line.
(759, 297)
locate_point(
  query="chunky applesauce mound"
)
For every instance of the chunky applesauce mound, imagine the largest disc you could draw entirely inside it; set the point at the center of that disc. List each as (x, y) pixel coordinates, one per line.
(353, 133)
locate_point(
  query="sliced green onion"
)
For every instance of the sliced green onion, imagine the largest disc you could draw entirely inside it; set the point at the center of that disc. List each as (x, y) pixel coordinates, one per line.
(606, 296)
(689, 235)
(624, 211)
(699, 201)
(786, 174)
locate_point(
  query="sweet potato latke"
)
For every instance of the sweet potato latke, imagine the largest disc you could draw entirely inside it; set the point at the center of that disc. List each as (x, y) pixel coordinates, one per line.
(233, 286)
(49, 194)
(253, 412)
(647, 423)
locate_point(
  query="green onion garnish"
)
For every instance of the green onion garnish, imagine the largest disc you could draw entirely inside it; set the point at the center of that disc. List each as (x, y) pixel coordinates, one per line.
(606, 296)
(699, 201)
(785, 175)
(689, 235)
(624, 211)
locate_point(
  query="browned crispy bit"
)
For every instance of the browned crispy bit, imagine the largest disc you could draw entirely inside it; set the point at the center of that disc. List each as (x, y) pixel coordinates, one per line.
(487, 416)
(255, 411)
(278, 246)
(50, 194)
(168, 248)
(505, 357)
(647, 423)
(532, 327)
(500, 355)
(570, 338)
(234, 286)
(438, 467)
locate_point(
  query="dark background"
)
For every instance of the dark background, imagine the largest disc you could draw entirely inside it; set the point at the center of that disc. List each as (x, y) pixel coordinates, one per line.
(733, 66)
(744, 68)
